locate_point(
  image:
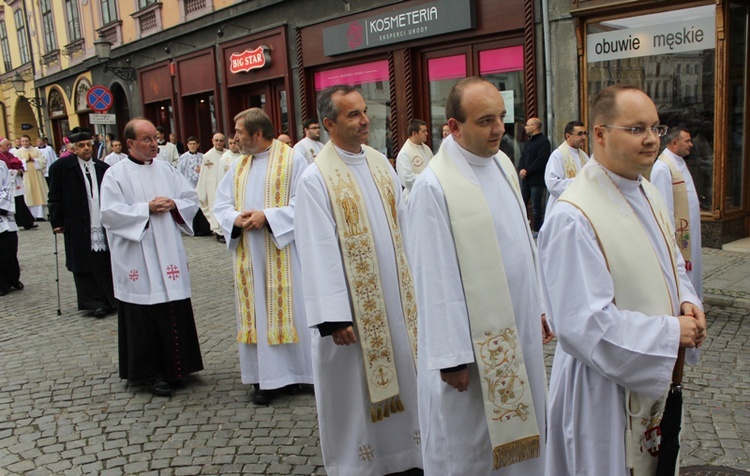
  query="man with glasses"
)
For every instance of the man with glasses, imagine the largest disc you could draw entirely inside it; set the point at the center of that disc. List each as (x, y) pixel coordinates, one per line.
(617, 296)
(146, 206)
(531, 170)
(310, 146)
(672, 177)
(565, 162)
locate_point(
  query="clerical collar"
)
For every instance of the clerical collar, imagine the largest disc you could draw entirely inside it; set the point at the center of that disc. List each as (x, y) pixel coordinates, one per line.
(473, 158)
(139, 162)
(41, 147)
(623, 183)
(81, 161)
(350, 157)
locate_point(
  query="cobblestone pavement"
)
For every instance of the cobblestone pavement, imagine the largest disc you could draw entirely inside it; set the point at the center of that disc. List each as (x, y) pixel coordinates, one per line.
(64, 410)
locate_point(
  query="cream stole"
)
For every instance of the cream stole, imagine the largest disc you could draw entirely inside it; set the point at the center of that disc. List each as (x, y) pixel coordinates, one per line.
(569, 163)
(278, 261)
(639, 284)
(681, 207)
(357, 246)
(416, 155)
(508, 406)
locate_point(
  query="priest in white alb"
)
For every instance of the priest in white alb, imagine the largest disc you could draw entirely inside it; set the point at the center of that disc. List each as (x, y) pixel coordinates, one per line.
(565, 162)
(255, 208)
(146, 206)
(482, 381)
(414, 155)
(617, 297)
(212, 171)
(671, 176)
(35, 164)
(359, 298)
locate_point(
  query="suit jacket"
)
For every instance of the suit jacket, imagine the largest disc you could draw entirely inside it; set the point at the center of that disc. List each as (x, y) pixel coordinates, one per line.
(534, 159)
(69, 207)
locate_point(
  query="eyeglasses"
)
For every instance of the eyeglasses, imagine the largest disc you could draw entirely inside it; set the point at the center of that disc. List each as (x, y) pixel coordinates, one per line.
(582, 133)
(659, 131)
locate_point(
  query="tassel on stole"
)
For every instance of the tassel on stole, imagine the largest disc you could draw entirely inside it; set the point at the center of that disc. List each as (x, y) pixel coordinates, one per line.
(515, 452)
(384, 409)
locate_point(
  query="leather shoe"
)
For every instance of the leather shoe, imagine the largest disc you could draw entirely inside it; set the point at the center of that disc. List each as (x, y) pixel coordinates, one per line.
(220, 239)
(31, 227)
(18, 285)
(99, 312)
(161, 389)
(293, 389)
(262, 397)
(3, 292)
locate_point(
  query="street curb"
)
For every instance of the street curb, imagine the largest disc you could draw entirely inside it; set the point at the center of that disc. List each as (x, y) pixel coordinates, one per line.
(721, 300)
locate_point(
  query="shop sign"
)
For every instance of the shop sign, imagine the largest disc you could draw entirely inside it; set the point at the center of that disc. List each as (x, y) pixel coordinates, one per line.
(679, 37)
(420, 21)
(258, 58)
(102, 119)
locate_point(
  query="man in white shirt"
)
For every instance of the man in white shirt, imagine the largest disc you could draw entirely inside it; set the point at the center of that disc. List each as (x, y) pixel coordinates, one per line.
(310, 145)
(212, 171)
(565, 162)
(255, 208)
(359, 297)
(146, 206)
(167, 150)
(672, 177)
(617, 297)
(414, 155)
(116, 154)
(48, 153)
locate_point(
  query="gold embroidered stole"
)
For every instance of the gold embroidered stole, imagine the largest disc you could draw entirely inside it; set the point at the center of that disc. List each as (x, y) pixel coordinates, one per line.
(681, 207)
(278, 261)
(571, 168)
(508, 405)
(357, 246)
(639, 284)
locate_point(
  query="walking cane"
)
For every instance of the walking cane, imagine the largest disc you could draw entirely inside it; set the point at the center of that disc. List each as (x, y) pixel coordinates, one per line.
(57, 276)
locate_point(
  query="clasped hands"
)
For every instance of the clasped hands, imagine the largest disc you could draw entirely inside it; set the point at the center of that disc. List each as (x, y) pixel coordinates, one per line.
(692, 325)
(161, 205)
(251, 220)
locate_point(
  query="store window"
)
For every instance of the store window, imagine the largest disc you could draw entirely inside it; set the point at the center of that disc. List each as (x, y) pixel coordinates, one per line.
(672, 57)
(371, 81)
(738, 87)
(443, 73)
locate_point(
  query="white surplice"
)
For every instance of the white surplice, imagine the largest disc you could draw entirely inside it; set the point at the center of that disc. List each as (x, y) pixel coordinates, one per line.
(212, 171)
(554, 174)
(149, 264)
(308, 148)
(351, 443)
(272, 366)
(602, 350)
(455, 437)
(114, 157)
(189, 166)
(661, 177)
(7, 200)
(410, 154)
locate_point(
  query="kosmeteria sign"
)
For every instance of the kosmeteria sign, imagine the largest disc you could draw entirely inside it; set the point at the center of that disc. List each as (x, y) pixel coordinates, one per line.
(690, 35)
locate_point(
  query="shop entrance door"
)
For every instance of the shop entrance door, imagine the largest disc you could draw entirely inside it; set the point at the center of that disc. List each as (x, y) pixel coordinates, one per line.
(269, 96)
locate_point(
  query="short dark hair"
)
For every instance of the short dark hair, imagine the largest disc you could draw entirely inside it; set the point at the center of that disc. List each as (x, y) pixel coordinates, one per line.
(193, 139)
(414, 126)
(603, 107)
(160, 130)
(569, 127)
(673, 133)
(453, 107)
(110, 136)
(326, 108)
(309, 122)
(254, 120)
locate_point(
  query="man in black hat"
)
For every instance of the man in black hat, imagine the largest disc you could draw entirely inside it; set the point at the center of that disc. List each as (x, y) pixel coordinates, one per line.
(75, 182)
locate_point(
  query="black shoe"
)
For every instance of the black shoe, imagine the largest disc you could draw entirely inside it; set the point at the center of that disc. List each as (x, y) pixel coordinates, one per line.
(3, 292)
(293, 389)
(18, 285)
(262, 397)
(40, 219)
(161, 389)
(99, 313)
(31, 227)
(220, 239)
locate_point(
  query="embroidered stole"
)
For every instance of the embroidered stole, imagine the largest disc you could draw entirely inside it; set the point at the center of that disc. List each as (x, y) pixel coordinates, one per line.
(278, 261)
(681, 207)
(508, 406)
(569, 163)
(640, 285)
(357, 246)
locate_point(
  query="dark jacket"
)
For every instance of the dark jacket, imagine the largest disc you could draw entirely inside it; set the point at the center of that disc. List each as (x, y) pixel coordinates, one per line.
(534, 159)
(69, 207)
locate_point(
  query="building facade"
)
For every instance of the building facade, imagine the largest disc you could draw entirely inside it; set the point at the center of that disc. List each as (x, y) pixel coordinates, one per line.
(191, 65)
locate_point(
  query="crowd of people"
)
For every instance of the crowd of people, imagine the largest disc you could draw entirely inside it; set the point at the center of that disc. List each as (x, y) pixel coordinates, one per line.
(416, 299)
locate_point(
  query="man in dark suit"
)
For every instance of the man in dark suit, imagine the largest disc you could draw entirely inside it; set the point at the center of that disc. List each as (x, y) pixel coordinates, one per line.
(75, 182)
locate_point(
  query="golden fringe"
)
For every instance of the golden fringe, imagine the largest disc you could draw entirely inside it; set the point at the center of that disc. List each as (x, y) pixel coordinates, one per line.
(381, 410)
(515, 452)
